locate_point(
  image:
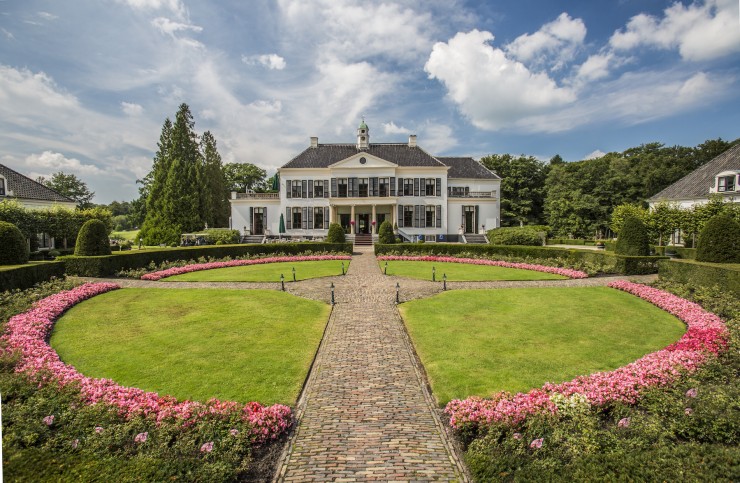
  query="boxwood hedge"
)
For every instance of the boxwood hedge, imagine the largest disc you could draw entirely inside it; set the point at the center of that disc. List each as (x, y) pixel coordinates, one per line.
(106, 265)
(701, 274)
(28, 275)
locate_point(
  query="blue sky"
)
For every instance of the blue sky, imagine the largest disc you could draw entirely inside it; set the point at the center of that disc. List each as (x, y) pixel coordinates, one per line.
(85, 85)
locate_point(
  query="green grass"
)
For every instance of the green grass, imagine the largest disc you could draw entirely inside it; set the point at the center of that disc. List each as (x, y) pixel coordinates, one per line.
(30, 262)
(462, 272)
(130, 235)
(476, 342)
(236, 345)
(269, 272)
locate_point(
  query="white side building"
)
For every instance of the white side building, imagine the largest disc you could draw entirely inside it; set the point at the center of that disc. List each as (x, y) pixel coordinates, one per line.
(361, 185)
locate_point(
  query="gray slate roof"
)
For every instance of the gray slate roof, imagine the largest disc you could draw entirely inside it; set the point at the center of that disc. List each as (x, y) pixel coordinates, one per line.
(467, 168)
(324, 155)
(697, 183)
(24, 187)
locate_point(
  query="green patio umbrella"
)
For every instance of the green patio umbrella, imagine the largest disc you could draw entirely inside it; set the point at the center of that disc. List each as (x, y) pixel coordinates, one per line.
(276, 182)
(281, 228)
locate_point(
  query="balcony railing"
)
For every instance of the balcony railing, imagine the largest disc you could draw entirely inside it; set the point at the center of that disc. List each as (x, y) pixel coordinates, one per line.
(257, 196)
(472, 194)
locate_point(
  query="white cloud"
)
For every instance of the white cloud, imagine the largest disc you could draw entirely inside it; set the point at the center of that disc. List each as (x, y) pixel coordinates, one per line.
(391, 128)
(21, 85)
(47, 16)
(596, 67)
(52, 162)
(595, 154)
(131, 109)
(169, 27)
(174, 6)
(554, 44)
(489, 88)
(8, 35)
(271, 61)
(700, 31)
(436, 138)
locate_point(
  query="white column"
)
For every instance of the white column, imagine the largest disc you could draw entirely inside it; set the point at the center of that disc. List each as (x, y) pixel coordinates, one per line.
(352, 220)
(373, 222)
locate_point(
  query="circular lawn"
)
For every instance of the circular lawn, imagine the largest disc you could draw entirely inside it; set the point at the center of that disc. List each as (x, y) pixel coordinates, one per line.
(268, 272)
(477, 342)
(234, 345)
(462, 272)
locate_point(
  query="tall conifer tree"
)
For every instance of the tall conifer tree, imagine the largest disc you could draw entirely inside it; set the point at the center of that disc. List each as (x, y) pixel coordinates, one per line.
(215, 203)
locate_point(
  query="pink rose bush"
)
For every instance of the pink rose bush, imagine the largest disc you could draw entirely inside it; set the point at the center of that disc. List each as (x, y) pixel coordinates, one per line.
(566, 272)
(27, 333)
(705, 337)
(238, 263)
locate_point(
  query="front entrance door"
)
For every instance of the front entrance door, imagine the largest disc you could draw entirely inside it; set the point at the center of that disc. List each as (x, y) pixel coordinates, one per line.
(363, 223)
(471, 224)
(259, 223)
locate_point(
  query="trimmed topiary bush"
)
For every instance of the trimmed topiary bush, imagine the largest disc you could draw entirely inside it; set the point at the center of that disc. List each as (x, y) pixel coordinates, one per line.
(633, 238)
(524, 235)
(719, 241)
(13, 245)
(385, 233)
(93, 239)
(336, 234)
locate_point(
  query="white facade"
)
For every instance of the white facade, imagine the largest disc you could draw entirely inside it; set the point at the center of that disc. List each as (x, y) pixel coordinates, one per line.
(362, 189)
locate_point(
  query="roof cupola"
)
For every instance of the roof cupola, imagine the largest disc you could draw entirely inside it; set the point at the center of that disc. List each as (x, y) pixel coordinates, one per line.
(363, 135)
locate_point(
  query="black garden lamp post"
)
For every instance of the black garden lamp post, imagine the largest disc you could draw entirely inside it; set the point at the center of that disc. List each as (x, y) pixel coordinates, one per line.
(342, 268)
(434, 274)
(294, 274)
(332, 292)
(398, 287)
(385, 269)
(444, 281)
(282, 282)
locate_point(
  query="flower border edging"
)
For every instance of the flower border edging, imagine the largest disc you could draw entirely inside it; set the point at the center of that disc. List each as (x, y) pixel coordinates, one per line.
(196, 267)
(28, 333)
(566, 272)
(706, 336)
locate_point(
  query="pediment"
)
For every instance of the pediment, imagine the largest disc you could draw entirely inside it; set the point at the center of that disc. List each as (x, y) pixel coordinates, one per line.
(363, 160)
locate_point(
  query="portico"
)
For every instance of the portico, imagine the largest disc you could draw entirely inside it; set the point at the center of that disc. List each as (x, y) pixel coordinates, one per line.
(366, 214)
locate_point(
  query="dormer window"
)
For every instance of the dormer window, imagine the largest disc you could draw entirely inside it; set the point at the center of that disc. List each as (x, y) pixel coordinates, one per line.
(2, 186)
(726, 183)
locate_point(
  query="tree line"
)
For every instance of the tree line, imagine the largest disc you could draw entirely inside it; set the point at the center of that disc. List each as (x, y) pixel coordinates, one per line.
(576, 199)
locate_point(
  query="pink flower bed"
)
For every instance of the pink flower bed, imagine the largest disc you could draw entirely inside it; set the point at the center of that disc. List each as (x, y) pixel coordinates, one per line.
(28, 332)
(705, 337)
(238, 263)
(566, 272)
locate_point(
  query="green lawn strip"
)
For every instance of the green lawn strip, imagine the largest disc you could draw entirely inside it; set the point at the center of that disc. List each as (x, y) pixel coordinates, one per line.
(235, 345)
(13, 267)
(129, 235)
(269, 272)
(477, 342)
(462, 272)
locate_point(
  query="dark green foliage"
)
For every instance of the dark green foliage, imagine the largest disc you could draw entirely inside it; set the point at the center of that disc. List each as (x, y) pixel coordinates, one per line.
(336, 234)
(13, 246)
(385, 233)
(685, 253)
(29, 275)
(214, 204)
(516, 236)
(697, 274)
(633, 238)
(225, 237)
(719, 241)
(128, 260)
(72, 187)
(241, 177)
(661, 442)
(522, 187)
(93, 239)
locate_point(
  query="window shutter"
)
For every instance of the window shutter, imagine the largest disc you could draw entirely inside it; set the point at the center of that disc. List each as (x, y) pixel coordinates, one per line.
(304, 185)
(334, 187)
(416, 186)
(288, 192)
(416, 216)
(463, 220)
(288, 220)
(264, 219)
(438, 191)
(326, 188)
(326, 217)
(310, 218)
(374, 182)
(477, 211)
(400, 216)
(310, 188)
(393, 186)
(304, 218)
(439, 216)
(251, 220)
(353, 188)
(400, 186)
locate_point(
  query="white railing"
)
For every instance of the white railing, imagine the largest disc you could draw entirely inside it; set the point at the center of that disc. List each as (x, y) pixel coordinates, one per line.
(258, 196)
(472, 194)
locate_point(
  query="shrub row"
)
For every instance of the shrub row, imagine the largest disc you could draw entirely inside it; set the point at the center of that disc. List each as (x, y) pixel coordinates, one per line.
(110, 264)
(698, 274)
(570, 241)
(529, 236)
(623, 264)
(30, 274)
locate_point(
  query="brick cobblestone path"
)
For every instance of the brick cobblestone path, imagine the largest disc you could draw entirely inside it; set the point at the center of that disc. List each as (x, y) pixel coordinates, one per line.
(366, 414)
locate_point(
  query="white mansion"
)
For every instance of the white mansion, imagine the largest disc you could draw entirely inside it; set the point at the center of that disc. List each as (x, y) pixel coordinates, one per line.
(361, 185)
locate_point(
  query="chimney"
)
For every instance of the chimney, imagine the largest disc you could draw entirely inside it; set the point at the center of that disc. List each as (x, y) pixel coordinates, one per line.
(412, 140)
(314, 142)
